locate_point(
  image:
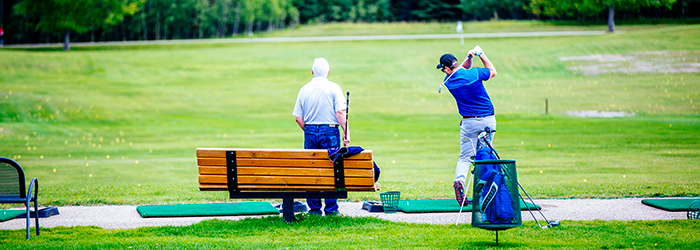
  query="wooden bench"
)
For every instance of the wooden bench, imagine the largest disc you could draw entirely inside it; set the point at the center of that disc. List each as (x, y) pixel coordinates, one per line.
(283, 173)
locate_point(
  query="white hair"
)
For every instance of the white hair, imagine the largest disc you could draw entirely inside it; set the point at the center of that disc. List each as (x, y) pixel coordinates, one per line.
(321, 67)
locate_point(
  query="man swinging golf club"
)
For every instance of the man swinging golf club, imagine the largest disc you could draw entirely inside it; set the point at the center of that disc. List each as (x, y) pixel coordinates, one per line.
(466, 86)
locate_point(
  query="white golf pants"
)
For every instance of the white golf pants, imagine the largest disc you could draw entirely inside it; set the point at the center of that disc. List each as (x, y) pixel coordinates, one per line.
(469, 143)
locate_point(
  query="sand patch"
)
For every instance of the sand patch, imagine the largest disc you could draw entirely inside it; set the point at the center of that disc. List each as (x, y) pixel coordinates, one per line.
(647, 62)
(596, 113)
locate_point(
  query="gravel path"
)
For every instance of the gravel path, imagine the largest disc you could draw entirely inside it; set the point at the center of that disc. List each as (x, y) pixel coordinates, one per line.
(554, 209)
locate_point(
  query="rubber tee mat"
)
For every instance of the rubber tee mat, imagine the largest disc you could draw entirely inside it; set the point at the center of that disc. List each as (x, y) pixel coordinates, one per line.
(442, 205)
(681, 204)
(10, 214)
(213, 209)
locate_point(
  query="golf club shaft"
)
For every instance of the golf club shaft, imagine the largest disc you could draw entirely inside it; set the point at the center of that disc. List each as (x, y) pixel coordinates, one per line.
(466, 189)
(488, 143)
(448, 78)
(347, 115)
(533, 202)
(528, 209)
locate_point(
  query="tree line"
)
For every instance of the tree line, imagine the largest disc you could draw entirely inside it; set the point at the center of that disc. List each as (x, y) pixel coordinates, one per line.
(50, 21)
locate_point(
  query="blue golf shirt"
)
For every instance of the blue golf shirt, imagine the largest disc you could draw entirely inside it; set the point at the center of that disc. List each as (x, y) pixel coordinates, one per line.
(467, 87)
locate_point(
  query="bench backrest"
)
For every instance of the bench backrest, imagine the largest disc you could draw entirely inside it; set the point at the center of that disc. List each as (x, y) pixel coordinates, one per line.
(283, 170)
(11, 178)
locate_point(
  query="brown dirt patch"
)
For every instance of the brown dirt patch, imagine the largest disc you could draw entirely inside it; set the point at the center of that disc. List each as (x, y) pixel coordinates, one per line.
(648, 62)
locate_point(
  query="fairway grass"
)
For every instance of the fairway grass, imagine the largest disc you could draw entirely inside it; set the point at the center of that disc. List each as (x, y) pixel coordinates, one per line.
(314, 232)
(121, 125)
(412, 28)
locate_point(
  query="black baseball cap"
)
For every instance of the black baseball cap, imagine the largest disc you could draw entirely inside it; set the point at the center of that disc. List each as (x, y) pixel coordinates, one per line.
(446, 60)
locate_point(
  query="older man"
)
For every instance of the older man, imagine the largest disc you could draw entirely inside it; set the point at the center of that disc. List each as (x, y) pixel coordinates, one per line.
(319, 111)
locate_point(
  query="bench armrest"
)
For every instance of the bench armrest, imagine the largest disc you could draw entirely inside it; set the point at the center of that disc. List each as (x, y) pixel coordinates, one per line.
(33, 184)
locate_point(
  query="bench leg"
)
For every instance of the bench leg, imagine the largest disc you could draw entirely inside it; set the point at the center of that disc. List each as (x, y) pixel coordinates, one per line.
(288, 209)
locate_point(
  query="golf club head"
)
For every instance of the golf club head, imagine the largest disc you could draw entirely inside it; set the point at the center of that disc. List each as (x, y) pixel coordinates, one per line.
(553, 223)
(482, 135)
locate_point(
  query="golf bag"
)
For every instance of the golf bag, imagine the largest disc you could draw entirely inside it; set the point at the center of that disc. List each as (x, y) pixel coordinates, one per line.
(489, 153)
(495, 202)
(334, 153)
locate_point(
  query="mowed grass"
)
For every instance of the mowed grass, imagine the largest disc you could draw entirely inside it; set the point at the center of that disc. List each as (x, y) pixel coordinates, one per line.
(120, 125)
(403, 28)
(314, 232)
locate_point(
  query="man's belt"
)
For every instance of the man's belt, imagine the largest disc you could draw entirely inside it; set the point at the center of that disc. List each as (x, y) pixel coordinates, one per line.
(322, 125)
(467, 117)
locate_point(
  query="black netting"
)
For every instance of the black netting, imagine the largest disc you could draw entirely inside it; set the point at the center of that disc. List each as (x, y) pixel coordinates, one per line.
(9, 179)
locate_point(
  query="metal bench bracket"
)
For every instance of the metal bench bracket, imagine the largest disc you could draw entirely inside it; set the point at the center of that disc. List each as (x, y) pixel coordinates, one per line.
(232, 171)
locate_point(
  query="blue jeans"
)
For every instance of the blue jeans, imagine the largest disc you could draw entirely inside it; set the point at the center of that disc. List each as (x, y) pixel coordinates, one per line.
(321, 137)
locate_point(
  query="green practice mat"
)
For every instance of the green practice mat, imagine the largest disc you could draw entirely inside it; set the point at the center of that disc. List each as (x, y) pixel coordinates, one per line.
(443, 205)
(213, 209)
(669, 204)
(10, 214)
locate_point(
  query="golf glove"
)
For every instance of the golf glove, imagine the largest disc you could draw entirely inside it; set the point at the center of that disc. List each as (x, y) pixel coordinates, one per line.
(478, 51)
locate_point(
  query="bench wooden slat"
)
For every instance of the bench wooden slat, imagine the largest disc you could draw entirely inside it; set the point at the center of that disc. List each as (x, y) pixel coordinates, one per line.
(256, 162)
(283, 171)
(264, 153)
(275, 153)
(286, 188)
(285, 180)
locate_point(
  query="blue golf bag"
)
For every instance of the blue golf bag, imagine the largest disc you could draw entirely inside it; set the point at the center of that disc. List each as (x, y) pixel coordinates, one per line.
(495, 201)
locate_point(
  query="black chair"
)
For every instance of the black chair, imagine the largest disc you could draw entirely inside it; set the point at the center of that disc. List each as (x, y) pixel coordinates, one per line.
(12, 188)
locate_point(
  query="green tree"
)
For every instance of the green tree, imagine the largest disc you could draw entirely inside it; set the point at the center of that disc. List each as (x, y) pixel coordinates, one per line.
(80, 16)
(594, 7)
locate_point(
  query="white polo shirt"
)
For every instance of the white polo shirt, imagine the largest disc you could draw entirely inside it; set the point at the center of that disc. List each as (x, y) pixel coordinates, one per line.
(318, 101)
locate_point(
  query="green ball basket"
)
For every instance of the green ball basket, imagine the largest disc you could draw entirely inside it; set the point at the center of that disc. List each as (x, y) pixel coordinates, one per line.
(694, 210)
(390, 201)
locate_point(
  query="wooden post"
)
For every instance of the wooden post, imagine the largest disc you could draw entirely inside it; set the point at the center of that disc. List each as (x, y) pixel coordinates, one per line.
(546, 106)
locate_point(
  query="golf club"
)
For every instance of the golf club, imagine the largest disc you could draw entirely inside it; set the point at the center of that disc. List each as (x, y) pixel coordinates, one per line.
(466, 189)
(347, 112)
(448, 78)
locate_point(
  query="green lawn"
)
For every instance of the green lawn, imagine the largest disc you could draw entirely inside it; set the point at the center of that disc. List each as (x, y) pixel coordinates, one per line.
(120, 125)
(364, 233)
(355, 29)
